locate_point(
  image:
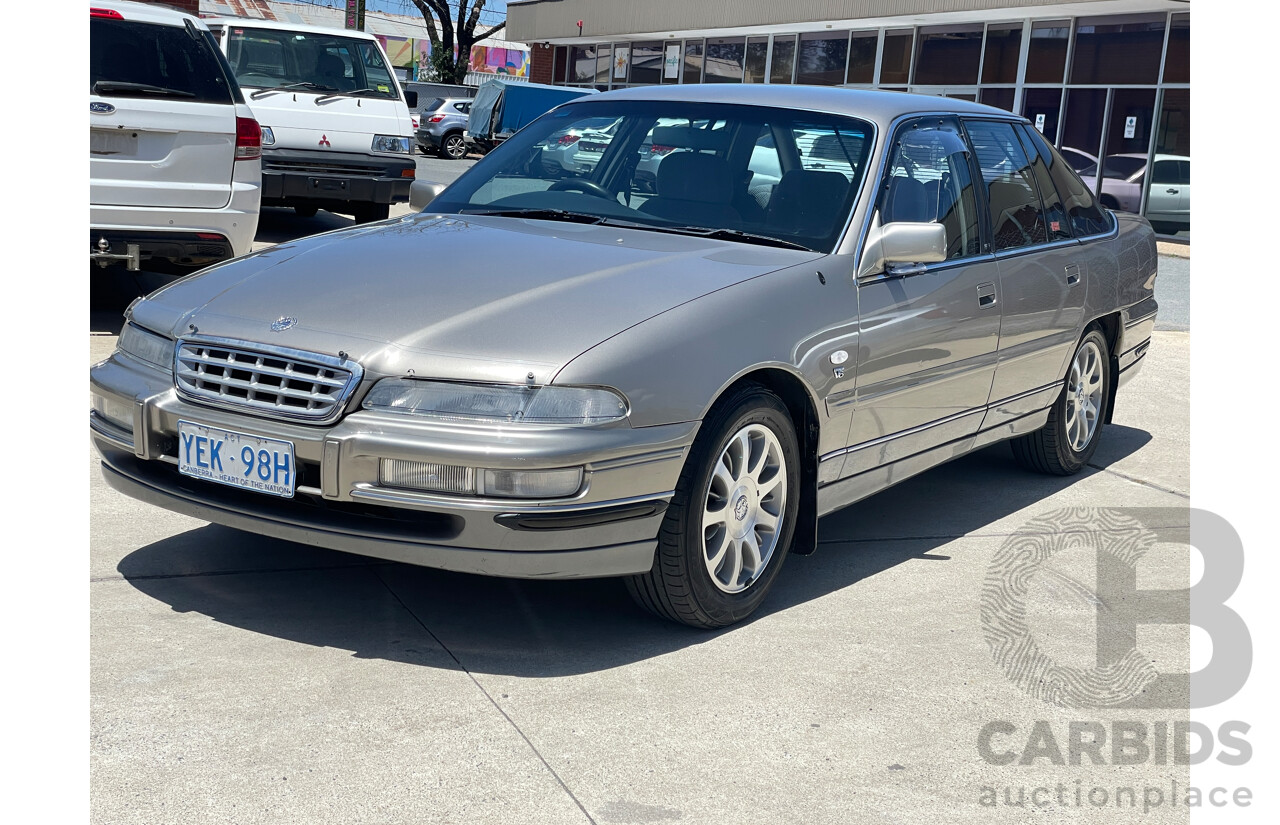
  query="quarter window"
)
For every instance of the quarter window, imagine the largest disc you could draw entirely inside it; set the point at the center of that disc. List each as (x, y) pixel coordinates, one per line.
(1077, 201)
(929, 182)
(1055, 214)
(1016, 218)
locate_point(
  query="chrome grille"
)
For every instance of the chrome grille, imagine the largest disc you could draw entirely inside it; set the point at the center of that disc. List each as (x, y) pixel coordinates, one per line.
(265, 380)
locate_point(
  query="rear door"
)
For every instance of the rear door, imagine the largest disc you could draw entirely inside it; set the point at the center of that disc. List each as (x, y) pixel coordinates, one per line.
(162, 128)
(1170, 195)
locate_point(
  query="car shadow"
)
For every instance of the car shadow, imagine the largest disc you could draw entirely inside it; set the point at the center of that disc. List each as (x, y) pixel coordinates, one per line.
(280, 225)
(552, 628)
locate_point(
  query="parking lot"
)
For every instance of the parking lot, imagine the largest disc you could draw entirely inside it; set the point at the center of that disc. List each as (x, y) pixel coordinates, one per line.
(241, 679)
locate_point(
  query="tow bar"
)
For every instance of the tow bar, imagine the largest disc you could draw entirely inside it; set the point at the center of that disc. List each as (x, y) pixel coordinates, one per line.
(104, 256)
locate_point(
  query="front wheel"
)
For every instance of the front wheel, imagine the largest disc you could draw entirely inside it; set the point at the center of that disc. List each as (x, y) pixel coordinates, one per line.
(453, 147)
(1068, 439)
(730, 523)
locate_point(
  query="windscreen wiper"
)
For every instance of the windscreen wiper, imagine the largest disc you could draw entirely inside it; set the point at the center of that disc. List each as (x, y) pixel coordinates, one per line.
(306, 84)
(717, 234)
(103, 87)
(538, 214)
(353, 93)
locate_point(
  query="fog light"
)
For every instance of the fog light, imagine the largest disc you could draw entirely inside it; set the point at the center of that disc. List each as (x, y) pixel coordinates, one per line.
(532, 483)
(118, 413)
(423, 475)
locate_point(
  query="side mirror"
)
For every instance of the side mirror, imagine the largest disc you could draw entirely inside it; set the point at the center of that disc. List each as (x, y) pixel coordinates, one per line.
(422, 193)
(902, 243)
(411, 98)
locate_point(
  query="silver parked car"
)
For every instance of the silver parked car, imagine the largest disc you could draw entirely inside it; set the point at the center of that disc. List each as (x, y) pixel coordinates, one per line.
(441, 124)
(668, 387)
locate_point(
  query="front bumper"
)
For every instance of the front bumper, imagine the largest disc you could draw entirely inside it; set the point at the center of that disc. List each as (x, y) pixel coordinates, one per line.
(290, 176)
(609, 528)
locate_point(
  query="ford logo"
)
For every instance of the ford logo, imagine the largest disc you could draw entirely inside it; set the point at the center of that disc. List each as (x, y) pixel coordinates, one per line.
(97, 107)
(282, 323)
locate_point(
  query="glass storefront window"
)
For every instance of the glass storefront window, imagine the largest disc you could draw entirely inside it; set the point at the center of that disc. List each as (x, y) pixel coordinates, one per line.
(1118, 49)
(1082, 127)
(757, 58)
(823, 57)
(784, 59)
(559, 66)
(1132, 115)
(604, 64)
(1177, 62)
(1047, 54)
(692, 71)
(1169, 199)
(862, 57)
(582, 64)
(948, 55)
(1000, 61)
(895, 65)
(724, 59)
(998, 97)
(670, 62)
(1042, 107)
(646, 63)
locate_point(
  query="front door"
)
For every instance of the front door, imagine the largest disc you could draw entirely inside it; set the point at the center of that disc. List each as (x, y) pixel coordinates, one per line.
(927, 341)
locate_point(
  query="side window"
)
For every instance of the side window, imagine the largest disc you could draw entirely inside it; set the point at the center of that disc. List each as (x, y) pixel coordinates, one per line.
(929, 182)
(1172, 173)
(1082, 211)
(375, 71)
(1054, 212)
(1014, 204)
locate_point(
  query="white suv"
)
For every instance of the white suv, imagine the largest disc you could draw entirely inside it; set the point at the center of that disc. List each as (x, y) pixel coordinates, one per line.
(174, 153)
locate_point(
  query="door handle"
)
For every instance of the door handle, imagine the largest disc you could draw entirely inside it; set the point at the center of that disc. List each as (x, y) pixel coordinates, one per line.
(1171, 191)
(1073, 274)
(986, 295)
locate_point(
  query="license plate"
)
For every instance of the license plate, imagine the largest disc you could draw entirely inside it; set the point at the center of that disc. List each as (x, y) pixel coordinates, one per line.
(105, 142)
(329, 184)
(264, 465)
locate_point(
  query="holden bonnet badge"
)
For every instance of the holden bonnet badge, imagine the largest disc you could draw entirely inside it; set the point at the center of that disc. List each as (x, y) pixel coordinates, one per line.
(282, 323)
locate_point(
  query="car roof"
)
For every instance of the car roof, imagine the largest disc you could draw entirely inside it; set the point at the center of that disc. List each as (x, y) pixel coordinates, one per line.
(258, 23)
(1143, 156)
(866, 103)
(147, 13)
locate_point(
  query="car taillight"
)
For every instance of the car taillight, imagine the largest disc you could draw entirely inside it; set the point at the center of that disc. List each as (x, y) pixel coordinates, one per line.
(568, 140)
(414, 121)
(111, 13)
(657, 149)
(248, 139)
(435, 119)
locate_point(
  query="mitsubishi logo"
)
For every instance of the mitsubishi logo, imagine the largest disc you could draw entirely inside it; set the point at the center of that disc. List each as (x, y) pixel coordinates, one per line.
(324, 140)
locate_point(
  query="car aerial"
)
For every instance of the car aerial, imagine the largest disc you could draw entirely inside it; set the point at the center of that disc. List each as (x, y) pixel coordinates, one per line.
(440, 126)
(175, 168)
(1169, 199)
(667, 387)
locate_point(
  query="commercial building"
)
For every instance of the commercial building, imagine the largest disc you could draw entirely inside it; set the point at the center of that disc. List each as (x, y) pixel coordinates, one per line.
(1100, 78)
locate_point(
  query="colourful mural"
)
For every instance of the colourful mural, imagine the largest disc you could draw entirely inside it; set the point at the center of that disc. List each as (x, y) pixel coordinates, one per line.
(399, 49)
(497, 60)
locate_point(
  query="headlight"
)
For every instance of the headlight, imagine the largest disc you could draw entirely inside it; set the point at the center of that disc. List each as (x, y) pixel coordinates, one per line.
(390, 143)
(501, 403)
(268, 136)
(147, 347)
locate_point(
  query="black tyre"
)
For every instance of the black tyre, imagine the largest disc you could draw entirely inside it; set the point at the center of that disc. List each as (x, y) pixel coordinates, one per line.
(305, 211)
(366, 212)
(453, 147)
(1068, 439)
(730, 523)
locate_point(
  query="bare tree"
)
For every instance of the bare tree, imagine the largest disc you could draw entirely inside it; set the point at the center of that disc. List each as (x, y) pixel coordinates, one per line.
(453, 23)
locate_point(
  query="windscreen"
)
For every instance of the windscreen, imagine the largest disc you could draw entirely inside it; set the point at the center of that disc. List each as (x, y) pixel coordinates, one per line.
(775, 175)
(310, 61)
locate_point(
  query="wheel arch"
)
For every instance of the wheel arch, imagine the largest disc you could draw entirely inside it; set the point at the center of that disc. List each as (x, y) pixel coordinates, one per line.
(804, 415)
(1110, 326)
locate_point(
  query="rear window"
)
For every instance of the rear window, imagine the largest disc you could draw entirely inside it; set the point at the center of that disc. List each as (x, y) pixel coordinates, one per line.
(132, 59)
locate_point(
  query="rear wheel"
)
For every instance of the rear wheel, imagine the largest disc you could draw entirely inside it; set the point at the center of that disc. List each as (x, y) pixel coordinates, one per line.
(1069, 438)
(453, 147)
(366, 212)
(731, 521)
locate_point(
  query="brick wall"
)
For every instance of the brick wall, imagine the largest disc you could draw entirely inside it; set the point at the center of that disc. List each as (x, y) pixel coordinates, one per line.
(540, 63)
